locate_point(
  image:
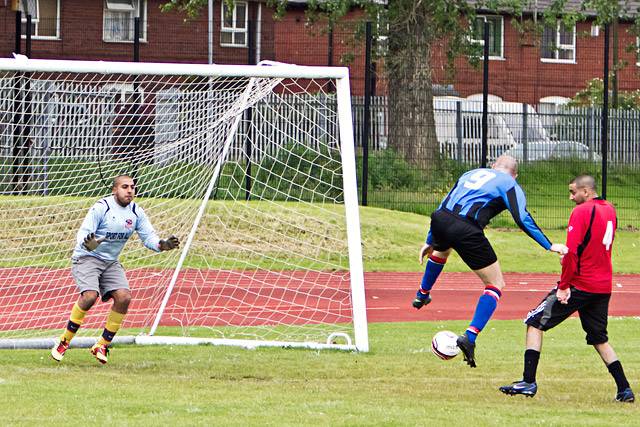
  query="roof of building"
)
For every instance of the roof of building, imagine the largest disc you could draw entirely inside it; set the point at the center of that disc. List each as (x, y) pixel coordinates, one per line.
(628, 8)
(323, 1)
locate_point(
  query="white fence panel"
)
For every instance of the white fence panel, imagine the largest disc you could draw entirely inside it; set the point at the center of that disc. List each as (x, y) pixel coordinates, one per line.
(67, 120)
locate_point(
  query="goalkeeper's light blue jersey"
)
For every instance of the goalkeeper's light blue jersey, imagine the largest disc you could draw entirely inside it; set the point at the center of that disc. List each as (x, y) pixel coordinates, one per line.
(116, 223)
(481, 194)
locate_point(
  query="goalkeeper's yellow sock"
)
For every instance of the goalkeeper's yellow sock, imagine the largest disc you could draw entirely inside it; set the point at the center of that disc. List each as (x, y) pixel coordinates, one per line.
(75, 321)
(114, 320)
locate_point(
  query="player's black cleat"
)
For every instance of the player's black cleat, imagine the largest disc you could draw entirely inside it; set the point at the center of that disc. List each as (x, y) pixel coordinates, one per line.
(468, 349)
(625, 395)
(520, 387)
(421, 300)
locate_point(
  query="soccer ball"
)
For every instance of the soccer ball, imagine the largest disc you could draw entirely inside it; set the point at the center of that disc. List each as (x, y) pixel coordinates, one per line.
(444, 345)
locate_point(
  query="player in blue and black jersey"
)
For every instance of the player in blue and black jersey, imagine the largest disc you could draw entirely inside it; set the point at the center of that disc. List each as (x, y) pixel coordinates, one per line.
(458, 223)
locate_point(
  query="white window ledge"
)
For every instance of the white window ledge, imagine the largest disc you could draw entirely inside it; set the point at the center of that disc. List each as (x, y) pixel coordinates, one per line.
(558, 61)
(24, 36)
(123, 41)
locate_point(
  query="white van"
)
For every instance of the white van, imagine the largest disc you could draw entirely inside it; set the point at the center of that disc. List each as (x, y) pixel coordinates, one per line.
(459, 127)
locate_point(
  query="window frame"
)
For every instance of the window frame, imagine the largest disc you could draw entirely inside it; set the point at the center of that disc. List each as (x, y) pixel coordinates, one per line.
(36, 23)
(142, 9)
(481, 41)
(233, 30)
(561, 47)
(120, 7)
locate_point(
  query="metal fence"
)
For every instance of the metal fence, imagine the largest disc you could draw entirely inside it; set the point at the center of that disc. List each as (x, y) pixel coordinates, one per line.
(88, 122)
(546, 132)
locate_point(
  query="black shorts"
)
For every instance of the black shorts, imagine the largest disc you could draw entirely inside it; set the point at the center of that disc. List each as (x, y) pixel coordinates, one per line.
(593, 310)
(449, 230)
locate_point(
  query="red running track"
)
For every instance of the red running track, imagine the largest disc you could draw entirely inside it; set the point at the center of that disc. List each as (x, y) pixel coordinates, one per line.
(455, 295)
(282, 297)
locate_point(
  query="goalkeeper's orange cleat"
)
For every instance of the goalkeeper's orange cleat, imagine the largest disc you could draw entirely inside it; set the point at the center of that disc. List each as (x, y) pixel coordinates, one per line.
(59, 349)
(100, 351)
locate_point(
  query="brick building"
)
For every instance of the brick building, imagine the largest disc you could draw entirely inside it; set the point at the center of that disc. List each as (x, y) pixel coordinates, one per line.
(523, 68)
(547, 67)
(104, 30)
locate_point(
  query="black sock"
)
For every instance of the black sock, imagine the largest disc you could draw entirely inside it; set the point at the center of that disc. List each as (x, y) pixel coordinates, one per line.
(616, 371)
(531, 358)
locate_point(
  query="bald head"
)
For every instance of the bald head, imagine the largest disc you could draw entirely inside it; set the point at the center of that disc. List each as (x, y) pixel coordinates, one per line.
(585, 181)
(124, 189)
(118, 179)
(582, 189)
(506, 164)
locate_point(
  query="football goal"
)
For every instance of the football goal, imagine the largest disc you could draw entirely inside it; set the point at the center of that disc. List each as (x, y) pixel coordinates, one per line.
(252, 167)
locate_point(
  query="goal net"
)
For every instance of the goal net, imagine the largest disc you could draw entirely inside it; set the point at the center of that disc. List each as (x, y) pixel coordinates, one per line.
(252, 167)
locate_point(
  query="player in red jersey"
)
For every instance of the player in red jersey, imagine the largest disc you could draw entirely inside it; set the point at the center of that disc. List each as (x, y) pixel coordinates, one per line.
(584, 286)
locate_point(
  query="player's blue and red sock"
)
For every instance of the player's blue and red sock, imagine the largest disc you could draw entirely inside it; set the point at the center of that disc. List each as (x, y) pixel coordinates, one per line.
(431, 272)
(484, 310)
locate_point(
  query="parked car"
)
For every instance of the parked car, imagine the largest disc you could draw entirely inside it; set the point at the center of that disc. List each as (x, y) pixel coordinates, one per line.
(550, 150)
(459, 128)
(511, 125)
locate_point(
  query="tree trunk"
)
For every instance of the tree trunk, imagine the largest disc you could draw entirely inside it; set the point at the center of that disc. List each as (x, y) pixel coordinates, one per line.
(411, 120)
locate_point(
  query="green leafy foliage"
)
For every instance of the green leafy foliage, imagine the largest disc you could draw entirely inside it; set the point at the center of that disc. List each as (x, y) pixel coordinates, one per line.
(593, 95)
(301, 172)
(389, 171)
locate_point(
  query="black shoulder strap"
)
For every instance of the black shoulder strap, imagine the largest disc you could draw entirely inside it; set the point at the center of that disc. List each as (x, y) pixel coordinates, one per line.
(105, 202)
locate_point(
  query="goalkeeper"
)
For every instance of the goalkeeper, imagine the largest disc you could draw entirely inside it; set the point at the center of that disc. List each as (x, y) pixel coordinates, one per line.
(95, 266)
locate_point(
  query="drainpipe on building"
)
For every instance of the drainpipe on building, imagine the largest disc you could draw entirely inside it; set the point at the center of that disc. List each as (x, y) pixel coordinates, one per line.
(210, 32)
(258, 33)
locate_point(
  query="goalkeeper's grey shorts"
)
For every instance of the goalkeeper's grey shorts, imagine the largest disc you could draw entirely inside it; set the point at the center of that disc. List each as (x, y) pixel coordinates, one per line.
(94, 274)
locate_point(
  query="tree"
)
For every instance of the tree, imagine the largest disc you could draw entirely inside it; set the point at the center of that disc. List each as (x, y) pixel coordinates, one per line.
(593, 96)
(413, 28)
(416, 28)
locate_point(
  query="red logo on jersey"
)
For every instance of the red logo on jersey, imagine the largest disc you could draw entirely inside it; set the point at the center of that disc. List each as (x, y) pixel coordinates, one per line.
(128, 223)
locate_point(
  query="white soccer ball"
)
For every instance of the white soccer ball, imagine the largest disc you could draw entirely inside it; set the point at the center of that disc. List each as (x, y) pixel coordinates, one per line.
(444, 345)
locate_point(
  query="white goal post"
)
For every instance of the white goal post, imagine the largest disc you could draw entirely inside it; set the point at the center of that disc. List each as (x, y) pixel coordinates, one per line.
(252, 167)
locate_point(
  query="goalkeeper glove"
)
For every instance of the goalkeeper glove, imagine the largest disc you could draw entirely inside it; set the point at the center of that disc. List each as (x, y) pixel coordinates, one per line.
(91, 242)
(171, 243)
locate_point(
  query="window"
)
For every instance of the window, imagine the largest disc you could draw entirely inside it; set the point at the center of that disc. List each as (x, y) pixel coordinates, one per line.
(234, 24)
(119, 18)
(121, 5)
(45, 18)
(559, 44)
(638, 51)
(496, 29)
(167, 115)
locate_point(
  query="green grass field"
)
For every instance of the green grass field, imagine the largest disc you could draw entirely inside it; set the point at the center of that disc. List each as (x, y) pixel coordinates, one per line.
(392, 239)
(398, 383)
(396, 184)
